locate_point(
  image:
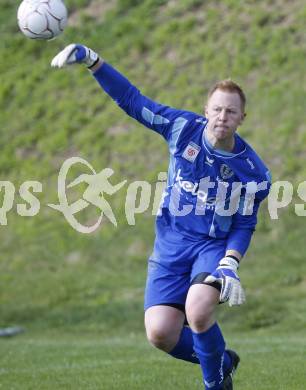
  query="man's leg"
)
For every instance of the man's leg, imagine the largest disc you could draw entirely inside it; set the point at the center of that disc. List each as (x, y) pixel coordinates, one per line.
(184, 349)
(166, 331)
(163, 326)
(209, 344)
(165, 296)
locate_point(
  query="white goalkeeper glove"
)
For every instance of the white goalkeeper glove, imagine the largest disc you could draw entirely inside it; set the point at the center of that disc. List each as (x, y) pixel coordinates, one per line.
(226, 275)
(75, 54)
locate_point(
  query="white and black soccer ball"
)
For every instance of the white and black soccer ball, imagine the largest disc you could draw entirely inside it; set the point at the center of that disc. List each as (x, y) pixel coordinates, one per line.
(42, 19)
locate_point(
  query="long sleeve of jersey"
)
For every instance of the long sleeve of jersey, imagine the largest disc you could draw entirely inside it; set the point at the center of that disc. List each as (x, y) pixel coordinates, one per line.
(153, 115)
(242, 230)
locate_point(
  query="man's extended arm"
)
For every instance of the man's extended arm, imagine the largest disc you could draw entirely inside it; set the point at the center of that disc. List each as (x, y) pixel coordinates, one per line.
(160, 118)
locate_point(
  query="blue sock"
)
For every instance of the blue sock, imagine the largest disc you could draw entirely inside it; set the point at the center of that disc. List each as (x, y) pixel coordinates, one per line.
(210, 347)
(184, 348)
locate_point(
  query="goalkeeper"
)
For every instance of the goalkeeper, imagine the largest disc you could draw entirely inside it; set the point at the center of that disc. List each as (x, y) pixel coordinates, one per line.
(197, 250)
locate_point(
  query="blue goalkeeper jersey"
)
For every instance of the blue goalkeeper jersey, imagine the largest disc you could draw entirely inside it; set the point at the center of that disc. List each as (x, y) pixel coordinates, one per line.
(196, 170)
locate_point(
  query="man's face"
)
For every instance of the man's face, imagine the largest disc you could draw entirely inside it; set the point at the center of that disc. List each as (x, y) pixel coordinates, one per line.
(224, 113)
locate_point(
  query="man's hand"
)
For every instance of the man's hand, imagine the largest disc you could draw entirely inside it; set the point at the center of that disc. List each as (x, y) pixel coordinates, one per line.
(75, 53)
(226, 275)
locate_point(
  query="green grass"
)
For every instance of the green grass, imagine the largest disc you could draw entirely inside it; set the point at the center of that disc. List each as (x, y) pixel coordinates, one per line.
(173, 54)
(76, 293)
(83, 361)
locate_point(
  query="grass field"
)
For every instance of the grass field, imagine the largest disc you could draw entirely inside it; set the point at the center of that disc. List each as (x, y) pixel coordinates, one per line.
(91, 361)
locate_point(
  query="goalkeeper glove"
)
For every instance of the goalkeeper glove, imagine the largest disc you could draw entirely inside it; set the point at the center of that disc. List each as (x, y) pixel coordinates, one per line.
(75, 53)
(226, 275)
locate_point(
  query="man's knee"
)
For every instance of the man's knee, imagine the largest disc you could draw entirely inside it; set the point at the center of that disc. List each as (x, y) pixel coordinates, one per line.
(163, 326)
(199, 321)
(161, 338)
(200, 307)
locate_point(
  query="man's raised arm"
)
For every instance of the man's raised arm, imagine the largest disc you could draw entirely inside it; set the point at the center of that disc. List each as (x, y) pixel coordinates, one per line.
(160, 118)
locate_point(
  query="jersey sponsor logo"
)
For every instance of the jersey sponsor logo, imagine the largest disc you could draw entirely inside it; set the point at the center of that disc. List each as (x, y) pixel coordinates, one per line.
(191, 151)
(209, 161)
(195, 189)
(226, 172)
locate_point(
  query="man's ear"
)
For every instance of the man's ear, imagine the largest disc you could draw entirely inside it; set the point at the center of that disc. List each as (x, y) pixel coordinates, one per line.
(243, 117)
(205, 110)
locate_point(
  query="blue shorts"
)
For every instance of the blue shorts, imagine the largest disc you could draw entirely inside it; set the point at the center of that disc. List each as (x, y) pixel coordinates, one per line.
(175, 262)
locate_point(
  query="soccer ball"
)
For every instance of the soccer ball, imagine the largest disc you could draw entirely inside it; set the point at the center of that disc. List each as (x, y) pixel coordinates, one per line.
(42, 19)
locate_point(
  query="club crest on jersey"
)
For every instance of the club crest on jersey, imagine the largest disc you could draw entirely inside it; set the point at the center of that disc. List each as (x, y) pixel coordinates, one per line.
(226, 172)
(191, 151)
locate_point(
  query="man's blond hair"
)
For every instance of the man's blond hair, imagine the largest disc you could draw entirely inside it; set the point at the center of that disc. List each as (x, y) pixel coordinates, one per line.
(229, 85)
